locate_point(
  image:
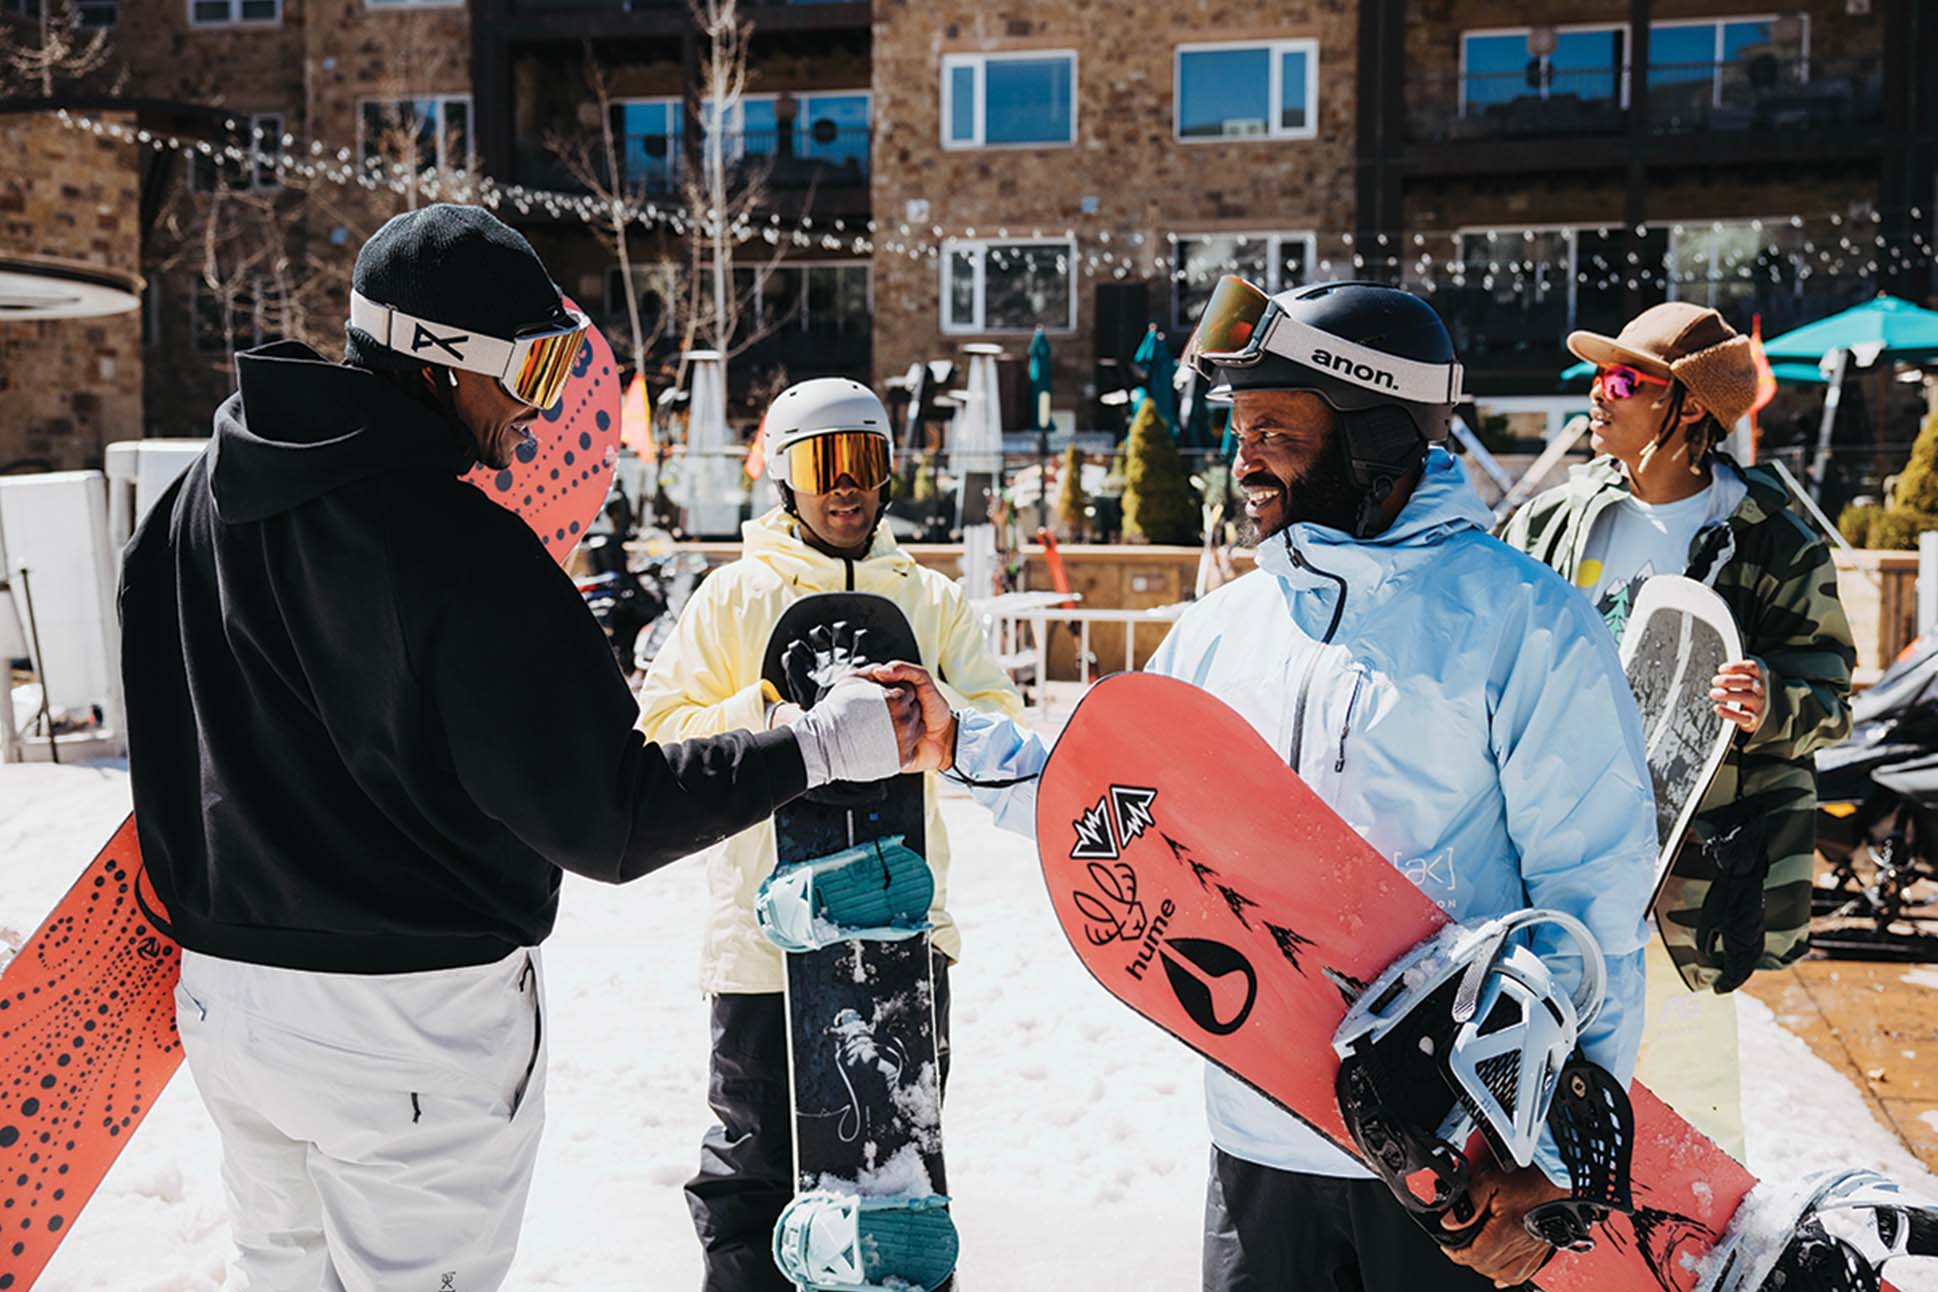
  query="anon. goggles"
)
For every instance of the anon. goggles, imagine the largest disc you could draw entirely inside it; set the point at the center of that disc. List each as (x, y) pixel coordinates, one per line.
(818, 463)
(533, 366)
(1241, 325)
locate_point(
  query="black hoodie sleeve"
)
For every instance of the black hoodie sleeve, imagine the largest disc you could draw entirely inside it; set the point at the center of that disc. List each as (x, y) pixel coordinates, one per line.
(540, 724)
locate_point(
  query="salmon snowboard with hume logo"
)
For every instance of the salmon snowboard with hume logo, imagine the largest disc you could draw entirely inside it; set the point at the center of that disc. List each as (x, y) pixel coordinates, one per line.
(87, 1006)
(1204, 885)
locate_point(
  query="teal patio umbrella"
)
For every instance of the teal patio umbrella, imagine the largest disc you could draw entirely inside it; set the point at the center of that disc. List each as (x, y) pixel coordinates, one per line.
(1875, 335)
(1885, 328)
(1154, 357)
(1039, 381)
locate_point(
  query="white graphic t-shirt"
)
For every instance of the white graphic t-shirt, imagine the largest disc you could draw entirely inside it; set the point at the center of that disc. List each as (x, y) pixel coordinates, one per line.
(1633, 540)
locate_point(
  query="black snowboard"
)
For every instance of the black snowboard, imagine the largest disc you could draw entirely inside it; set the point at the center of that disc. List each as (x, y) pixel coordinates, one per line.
(863, 1061)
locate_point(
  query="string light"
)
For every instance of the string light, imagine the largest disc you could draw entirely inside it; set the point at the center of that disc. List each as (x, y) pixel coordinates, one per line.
(1777, 252)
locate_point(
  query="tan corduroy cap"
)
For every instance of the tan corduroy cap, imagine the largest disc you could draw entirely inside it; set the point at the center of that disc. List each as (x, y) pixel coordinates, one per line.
(1690, 343)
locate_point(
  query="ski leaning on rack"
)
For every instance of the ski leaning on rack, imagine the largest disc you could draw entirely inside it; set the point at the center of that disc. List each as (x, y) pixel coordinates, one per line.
(1206, 886)
(848, 903)
(87, 1005)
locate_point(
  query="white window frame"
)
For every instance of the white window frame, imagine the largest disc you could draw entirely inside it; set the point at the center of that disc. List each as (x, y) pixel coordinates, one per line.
(980, 246)
(1573, 232)
(1672, 284)
(1716, 46)
(235, 18)
(1626, 70)
(675, 159)
(1274, 240)
(980, 62)
(1275, 82)
(440, 163)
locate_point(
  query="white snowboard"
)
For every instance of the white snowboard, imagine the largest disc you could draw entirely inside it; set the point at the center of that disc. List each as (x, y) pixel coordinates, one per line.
(1678, 634)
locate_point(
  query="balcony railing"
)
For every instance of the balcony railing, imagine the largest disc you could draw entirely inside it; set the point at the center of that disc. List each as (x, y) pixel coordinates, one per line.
(1763, 93)
(817, 156)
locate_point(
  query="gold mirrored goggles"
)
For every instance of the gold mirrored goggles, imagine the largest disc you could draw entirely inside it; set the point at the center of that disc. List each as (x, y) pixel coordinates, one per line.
(1229, 332)
(820, 463)
(541, 363)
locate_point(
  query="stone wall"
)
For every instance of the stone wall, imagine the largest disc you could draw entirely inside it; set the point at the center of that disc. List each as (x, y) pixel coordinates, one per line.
(68, 386)
(1125, 178)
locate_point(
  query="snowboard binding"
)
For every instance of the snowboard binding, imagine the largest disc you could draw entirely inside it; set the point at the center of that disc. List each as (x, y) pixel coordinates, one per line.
(1842, 1227)
(815, 663)
(1501, 1042)
(880, 890)
(839, 1242)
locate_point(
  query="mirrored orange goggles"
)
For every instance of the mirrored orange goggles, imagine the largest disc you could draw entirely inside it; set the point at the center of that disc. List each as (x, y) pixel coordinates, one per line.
(1228, 332)
(542, 363)
(820, 463)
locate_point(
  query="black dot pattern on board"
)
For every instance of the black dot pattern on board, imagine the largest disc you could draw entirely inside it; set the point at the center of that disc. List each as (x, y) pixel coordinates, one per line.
(89, 1043)
(558, 479)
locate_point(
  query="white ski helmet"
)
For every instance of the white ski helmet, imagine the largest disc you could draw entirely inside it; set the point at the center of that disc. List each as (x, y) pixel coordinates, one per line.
(825, 407)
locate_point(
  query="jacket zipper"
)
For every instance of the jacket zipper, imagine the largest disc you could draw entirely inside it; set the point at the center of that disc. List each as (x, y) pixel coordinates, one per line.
(1312, 665)
(1346, 727)
(851, 572)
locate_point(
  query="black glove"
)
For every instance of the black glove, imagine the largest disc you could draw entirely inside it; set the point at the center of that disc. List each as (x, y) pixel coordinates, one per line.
(1730, 925)
(827, 654)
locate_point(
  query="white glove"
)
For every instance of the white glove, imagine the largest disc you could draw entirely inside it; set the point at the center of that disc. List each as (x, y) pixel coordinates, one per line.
(848, 735)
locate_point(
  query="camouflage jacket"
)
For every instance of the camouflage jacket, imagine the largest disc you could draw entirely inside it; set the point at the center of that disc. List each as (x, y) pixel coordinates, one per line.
(1777, 578)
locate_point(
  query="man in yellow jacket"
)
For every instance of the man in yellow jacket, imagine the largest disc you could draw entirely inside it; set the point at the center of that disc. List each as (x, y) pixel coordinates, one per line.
(829, 450)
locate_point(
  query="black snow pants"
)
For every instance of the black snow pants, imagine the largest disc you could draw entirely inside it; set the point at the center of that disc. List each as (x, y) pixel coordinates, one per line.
(1280, 1231)
(747, 1161)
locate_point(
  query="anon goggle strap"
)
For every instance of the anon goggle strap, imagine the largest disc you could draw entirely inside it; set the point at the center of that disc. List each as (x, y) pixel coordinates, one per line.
(452, 347)
(1408, 379)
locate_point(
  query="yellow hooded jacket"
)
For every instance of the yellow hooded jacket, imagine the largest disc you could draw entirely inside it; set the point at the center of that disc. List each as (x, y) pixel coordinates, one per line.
(706, 680)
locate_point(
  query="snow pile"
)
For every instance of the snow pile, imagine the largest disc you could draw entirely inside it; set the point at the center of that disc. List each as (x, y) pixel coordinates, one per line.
(1076, 1141)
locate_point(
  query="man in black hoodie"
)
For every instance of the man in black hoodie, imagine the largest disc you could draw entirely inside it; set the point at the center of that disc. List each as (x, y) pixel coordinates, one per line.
(370, 723)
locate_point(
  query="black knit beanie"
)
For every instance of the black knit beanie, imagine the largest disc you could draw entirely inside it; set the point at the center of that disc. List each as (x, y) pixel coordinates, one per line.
(460, 266)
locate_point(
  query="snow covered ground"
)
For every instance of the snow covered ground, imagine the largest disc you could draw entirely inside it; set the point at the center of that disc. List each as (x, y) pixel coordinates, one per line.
(1076, 1141)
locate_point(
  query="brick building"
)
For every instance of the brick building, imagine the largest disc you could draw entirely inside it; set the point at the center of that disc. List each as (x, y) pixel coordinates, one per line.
(68, 208)
(936, 173)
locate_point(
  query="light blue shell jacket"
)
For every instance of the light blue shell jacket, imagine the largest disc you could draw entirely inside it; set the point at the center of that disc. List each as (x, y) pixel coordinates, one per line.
(1460, 706)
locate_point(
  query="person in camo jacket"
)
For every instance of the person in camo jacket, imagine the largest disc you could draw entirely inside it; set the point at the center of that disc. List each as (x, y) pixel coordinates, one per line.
(1665, 499)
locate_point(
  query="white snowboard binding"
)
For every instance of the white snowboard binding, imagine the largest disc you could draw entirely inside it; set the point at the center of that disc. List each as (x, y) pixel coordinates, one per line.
(1833, 1233)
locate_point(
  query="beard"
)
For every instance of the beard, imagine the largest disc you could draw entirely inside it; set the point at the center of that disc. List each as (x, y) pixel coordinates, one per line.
(1322, 494)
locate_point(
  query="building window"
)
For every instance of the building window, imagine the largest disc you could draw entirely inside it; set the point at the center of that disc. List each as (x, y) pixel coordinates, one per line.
(220, 13)
(1710, 63)
(827, 127)
(1745, 267)
(1248, 91)
(93, 14)
(1023, 100)
(1502, 67)
(648, 133)
(829, 301)
(1008, 286)
(258, 172)
(421, 133)
(1274, 261)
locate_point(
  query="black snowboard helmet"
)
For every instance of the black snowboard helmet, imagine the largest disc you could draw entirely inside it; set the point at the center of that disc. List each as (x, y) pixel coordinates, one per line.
(1380, 358)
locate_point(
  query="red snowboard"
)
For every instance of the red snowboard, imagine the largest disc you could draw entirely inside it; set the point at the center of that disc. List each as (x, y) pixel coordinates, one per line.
(87, 1008)
(1204, 885)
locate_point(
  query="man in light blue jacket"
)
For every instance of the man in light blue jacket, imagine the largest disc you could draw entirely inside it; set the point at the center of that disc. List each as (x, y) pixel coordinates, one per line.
(1454, 701)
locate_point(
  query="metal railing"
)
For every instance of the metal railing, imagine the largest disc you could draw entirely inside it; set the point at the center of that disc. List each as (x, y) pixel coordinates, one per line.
(1762, 92)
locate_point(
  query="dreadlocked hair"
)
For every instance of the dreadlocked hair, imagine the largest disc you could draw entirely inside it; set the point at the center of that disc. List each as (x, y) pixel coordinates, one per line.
(1704, 436)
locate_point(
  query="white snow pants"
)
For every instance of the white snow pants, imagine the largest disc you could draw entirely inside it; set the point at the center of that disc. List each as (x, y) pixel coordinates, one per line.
(378, 1131)
(1689, 1057)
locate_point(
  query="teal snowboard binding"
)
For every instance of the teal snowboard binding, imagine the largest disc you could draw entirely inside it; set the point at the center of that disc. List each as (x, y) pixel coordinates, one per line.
(879, 890)
(839, 1242)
